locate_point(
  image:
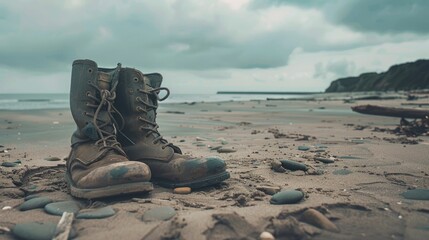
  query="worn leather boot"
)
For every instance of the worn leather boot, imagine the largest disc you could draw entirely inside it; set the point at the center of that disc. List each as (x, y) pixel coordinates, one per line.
(137, 101)
(97, 165)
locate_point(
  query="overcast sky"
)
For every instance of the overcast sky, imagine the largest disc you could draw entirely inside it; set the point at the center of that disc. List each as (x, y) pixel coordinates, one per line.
(205, 46)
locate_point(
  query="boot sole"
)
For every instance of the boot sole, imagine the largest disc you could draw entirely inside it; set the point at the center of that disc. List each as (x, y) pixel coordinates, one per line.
(92, 193)
(211, 180)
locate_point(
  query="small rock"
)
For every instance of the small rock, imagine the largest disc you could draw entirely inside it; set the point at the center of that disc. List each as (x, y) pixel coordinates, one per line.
(159, 214)
(33, 203)
(317, 219)
(358, 141)
(293, 166)
(266, 236)
(303, 148)
(37, 231)
(416, 194)
(226, 150)
(200, 145)
(52, 159)
(104, 212)
(324, 160)
(277, 166)
(342, 172)
(9, 164)
(58, 208)
(215, 148)
(269, 189)
(6, 208)
(287, 197)
(182, 190)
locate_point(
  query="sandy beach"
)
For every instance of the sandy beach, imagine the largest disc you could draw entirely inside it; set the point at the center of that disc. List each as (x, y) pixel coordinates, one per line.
(359, 190)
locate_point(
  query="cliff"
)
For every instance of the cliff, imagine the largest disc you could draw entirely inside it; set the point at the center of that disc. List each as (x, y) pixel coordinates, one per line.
(406, 76)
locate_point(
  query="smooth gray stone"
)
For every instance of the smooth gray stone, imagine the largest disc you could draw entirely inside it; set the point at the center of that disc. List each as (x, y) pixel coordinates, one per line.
(37, 202)
(287, 197)
(416, 194)
(159, 214)
(342, 172)
(58, 208)
(349, 157)
(31, 196)
(37, 231)
(9, 164)
(226, 150)
(104, 212)
(303, 148)
(293, 166)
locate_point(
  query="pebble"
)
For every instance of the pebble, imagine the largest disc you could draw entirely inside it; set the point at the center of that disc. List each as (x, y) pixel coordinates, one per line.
(226, 150)
(52, 159)
(58, 208)
(266, 236)
(6, 208)
(317, 219)
(293, 166)
(358, 141)
(9, 164)
(287, 197)
(303, 148)
(277, 166)
(201, 145)
(349, 157)
(37, 202)
(215, 148)
(182, 190)
(159, 214)
(103, 212)
(342, 172)
(324, 160)
(268, 189)
(37, 231)
(416, 194)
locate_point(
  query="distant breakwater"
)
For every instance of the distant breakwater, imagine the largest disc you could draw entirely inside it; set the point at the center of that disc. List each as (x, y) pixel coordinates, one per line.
(267, 93)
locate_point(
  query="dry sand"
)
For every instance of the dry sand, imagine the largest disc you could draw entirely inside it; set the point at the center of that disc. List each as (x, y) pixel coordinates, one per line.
(364, 204)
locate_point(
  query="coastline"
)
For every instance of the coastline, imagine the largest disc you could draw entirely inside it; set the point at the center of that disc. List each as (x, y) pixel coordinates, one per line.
(261, 131)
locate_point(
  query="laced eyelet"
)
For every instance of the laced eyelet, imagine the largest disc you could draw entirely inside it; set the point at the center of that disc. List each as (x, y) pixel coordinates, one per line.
(88, 93)
(135, 79)
(90, 70)
(85, 113)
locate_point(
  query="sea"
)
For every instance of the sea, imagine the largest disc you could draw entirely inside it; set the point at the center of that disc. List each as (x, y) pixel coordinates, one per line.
(21, 101)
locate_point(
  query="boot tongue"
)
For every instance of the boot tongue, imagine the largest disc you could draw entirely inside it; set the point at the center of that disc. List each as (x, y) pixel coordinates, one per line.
(104, 80)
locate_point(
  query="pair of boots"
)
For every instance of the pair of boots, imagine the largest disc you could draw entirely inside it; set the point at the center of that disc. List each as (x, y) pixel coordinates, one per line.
(117, 148)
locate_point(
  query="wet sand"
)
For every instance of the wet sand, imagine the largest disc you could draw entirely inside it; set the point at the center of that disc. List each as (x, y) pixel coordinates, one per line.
(360, 192)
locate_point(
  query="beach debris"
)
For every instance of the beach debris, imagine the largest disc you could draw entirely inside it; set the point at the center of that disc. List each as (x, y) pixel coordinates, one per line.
(293, 165)
(6, 208)
(37, 230)
(303, 148)
(52, 159)
(417, 127)
(58, 208)
(99, 213)
(226, 150)
(287, 197)
(182, 190)
(200, 139)
(175, 112)
(324, 160)
(232, 225)
(4, 229)
(266, 236)
(38, 202)
(342, 172)
(416, 194)
(64, 226)
(317, 219)
(277, 166)
(159, 214)
(270, 190)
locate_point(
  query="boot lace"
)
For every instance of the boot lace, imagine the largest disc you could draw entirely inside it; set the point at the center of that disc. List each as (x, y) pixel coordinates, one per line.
(152, 126)
(107, 138)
